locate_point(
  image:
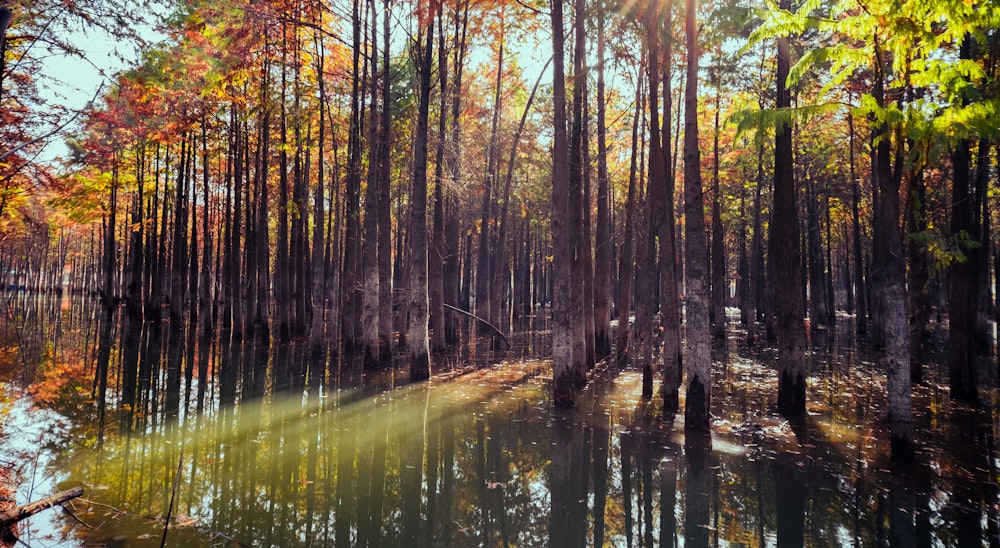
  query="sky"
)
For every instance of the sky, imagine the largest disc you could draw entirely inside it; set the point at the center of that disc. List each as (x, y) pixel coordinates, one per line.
(71, 82)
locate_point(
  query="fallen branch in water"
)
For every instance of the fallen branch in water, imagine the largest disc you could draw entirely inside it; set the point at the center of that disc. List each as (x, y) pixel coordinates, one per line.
(11, 517)
(482, 321)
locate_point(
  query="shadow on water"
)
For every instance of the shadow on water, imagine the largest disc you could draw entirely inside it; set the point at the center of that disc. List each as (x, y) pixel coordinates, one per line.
(275, 449)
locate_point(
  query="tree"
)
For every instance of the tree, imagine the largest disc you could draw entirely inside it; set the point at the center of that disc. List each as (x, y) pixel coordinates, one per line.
(784, 253)
(699, 346)
(563, 343)
(417, 342)
(603, 235)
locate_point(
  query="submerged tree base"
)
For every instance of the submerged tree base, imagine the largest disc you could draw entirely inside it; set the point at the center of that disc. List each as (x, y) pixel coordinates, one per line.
(420, 367)
(792, 394)
(563, 390)
(696, 415)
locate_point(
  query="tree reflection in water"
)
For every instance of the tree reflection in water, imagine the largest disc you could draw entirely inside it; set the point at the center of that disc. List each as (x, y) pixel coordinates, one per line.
(280, 450)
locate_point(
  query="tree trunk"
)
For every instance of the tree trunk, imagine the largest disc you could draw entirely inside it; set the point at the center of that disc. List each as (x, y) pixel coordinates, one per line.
(109, 306)
(370, 250)
(655, 206)
(861, 315)
(626, 264)
(918, 282)
(983, 330)
(437, 255)
(603, 230)
(417, 343)
(563, 343)
(817, 283)
(575, 203)
(352, 265)
(784, 240)
(756, 254)
(316, 329)
(385, 285)
(962, 292)
(282, 264)
(699, 347)
(206, 321)
(484, 266)
(719, 287)
(452, 260)
(889, 243)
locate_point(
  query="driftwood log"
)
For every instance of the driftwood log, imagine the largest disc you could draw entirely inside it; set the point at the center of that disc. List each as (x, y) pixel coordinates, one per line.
(10, 517)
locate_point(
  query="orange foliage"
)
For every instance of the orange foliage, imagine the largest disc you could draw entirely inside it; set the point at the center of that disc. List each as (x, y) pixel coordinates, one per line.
(61, 382)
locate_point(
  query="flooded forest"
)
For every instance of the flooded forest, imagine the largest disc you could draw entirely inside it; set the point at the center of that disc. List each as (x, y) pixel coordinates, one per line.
(499, 273)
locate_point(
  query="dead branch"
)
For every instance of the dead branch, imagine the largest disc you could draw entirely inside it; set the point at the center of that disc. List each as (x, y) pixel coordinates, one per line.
(11, 517)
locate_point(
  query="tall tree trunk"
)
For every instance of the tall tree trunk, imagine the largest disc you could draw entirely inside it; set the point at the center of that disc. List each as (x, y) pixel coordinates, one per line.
(831, 304)
(699, 347)
(282, 265)
(670, 307)
(626, 265)
(784, 252)
(178, 270)
(983, 330)
(861, 315)
(109, 305)
(132, 326)
(719, 288)
(918, 282)
(655, 206)
(207, 322)
(889, 244)
(300, 196)
(817, 284)
(369, 251)
(587, 234)
(262, 300)
(417, 343)
(574, 202)
(452, 260)
(318, 295)
(962, 291)
(352, 264)
(563, 343)
(484, 264)
(437, 255)
(385, 286)
(756, 254)
(603, 230)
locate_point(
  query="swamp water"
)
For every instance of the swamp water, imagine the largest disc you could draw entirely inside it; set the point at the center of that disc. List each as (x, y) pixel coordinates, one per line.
(477, 456)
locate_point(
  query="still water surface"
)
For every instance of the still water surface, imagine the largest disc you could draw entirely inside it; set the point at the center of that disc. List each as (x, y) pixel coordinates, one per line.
(477, 457)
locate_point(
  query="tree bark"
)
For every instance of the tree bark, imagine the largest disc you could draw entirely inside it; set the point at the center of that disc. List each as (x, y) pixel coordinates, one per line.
(11, 517)
(563, 344)
(437, 254)
(962, 291)
(756, 254)
(485, 263)
(699, 348)
(818, 314)
(789, 327)
(417, 343)
(575, 203)
(370, 249)
(603, 232)
(919, 273)
(861, 314)
(889, 242)
(719, 288)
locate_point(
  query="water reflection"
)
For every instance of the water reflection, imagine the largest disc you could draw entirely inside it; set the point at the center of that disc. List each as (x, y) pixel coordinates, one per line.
(274, 452)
